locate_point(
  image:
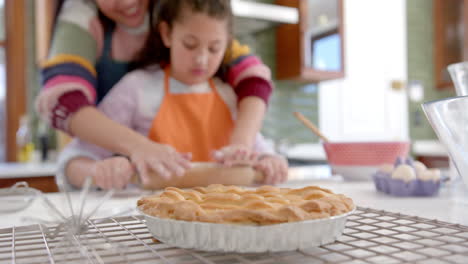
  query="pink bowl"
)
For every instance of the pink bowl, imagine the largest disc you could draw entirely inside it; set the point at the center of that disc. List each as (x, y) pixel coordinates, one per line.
(357, 161)
(365, 153)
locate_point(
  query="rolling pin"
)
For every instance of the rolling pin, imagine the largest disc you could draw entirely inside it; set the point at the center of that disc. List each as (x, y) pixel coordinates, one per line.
(204, 174)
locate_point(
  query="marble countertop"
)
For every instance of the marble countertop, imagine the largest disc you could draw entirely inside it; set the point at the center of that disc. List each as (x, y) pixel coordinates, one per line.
(446, 206)
(26, 170)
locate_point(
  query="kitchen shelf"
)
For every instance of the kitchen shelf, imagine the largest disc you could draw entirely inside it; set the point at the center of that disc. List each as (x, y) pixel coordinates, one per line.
(370, 236)
(267, 12)
(251, 17)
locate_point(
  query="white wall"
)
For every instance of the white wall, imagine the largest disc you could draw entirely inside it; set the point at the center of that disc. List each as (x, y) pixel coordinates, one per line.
(363, 106)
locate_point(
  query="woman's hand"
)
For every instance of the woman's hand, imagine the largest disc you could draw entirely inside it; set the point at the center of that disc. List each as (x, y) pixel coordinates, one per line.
(273, 167)
(162, 159)
(235, 155)
(114, 172)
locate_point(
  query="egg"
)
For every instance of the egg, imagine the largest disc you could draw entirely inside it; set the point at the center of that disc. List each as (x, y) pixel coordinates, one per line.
(429, 175)
(404, 172)
(419, 167)
(386, 168)
(435, 174)
(425, 175)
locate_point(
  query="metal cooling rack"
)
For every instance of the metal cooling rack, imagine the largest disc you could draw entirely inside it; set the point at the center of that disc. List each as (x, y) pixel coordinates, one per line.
(370, 236)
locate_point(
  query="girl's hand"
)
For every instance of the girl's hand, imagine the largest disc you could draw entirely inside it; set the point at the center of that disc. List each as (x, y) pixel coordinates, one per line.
(114, 172)
(235, 155)
(273, 167)
(162, 159)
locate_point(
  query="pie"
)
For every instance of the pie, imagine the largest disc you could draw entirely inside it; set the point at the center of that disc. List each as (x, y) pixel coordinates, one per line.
(265, 205)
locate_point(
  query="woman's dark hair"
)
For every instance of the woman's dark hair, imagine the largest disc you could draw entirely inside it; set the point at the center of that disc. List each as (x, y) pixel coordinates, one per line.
(155, 52)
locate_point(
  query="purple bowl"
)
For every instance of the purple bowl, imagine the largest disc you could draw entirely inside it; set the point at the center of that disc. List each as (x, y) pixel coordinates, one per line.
(428, 188)
(379, 181)
(396, 187)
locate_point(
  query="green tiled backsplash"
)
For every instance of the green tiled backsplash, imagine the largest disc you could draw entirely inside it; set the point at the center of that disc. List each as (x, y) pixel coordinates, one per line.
(421, 64)
(288, 96)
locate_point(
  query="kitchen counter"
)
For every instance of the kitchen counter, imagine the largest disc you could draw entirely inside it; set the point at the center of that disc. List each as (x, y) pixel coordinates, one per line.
(306, 152)
(26, 170)
(442, 207)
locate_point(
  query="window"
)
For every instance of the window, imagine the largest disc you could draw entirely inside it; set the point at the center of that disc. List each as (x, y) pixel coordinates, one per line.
(326, 53)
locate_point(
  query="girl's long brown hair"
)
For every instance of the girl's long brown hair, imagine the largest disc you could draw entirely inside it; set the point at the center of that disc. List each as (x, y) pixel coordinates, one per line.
(155, 52)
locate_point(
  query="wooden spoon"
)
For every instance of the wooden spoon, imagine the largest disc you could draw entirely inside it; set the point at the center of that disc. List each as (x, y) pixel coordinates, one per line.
(310, 125)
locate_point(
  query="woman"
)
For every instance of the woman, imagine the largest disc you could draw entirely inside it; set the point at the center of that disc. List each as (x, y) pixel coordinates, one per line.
(93, 47)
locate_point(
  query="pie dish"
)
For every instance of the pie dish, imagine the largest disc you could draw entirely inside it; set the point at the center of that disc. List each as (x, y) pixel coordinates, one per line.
(234, 219)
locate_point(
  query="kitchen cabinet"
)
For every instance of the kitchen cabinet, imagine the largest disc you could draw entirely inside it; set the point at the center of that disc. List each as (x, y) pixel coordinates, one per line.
(16, 65)
(44, 184)
(450, 38)
(311, 50)
(37, 175)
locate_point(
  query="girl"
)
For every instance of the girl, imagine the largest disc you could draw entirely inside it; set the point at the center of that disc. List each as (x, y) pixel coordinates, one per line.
(93, 46)
(173, 98)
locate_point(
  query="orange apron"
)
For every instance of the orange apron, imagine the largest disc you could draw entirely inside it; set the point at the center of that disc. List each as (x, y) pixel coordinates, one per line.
(192, 122)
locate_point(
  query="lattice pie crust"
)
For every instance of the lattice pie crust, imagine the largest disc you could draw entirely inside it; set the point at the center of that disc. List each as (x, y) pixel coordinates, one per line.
(265, 205)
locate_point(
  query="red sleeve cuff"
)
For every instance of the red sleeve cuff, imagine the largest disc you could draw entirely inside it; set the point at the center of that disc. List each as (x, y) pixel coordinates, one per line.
(67, 104)
(254, 86)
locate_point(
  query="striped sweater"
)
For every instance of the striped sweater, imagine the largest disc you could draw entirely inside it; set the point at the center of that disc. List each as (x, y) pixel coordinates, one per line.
(69, 76)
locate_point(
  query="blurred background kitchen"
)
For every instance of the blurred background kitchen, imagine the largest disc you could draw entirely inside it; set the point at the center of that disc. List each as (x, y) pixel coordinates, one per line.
(358, 69)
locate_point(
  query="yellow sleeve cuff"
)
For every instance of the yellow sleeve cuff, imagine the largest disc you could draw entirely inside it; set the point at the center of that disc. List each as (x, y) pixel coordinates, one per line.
(235, 50)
